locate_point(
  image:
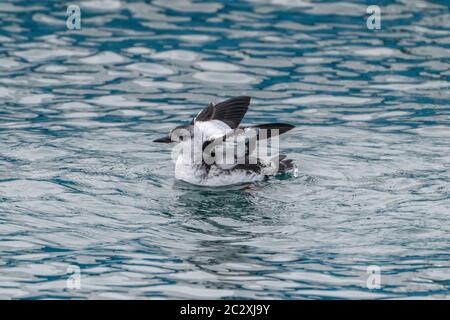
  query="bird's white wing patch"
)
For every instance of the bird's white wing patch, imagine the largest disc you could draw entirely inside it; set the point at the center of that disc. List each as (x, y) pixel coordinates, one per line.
(212, 129)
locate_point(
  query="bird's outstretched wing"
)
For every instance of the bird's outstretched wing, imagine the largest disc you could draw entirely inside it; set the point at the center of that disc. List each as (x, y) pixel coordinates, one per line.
(230, 111)
(242, 142)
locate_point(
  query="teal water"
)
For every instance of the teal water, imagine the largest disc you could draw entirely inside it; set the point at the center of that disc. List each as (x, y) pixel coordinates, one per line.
(83, 186)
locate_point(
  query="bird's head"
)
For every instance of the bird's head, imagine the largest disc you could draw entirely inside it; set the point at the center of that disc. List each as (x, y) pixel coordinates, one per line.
(177, 134)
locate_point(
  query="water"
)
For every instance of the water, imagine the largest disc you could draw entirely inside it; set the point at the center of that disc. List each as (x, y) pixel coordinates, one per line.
(83, 186)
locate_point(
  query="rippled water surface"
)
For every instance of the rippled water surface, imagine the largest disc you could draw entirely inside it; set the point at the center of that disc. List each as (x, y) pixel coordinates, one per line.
(82, 184)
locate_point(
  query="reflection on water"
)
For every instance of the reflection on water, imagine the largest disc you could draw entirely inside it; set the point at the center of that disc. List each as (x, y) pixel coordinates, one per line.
(81, 183)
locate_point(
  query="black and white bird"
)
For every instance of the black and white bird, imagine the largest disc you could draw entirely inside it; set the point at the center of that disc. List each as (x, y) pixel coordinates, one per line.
(214, 150)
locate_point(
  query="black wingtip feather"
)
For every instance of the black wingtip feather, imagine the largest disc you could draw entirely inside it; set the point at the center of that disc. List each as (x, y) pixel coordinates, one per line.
(230, 111)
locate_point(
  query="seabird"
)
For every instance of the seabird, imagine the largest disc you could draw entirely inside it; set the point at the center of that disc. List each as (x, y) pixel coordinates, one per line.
(214, 150)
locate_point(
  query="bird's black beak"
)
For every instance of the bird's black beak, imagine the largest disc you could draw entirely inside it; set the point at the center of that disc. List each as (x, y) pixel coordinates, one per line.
(163, 140)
